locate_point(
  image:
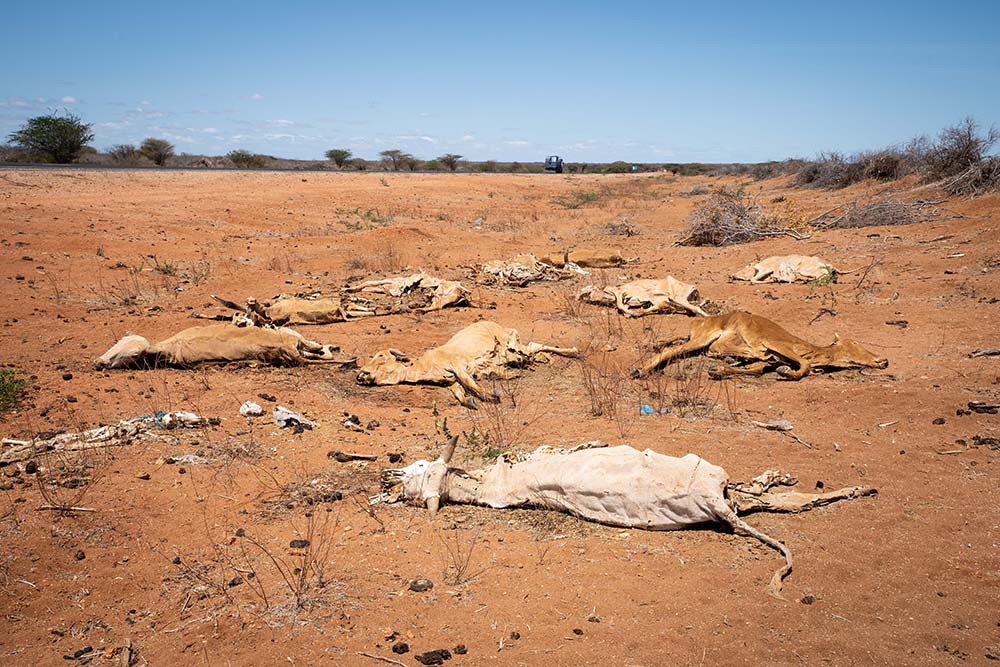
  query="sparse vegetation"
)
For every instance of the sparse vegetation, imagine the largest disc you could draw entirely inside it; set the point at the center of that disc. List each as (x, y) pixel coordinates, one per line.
(54, 138)
(246, 160)
(12, 387)
(393, 159)
(158, 151)
(125, 154)
(576, 199)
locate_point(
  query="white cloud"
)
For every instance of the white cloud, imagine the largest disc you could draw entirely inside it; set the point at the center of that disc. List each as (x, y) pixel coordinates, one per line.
(468, 136)
(256, 96)
(281, 122)
(518, 142)
(69, 99)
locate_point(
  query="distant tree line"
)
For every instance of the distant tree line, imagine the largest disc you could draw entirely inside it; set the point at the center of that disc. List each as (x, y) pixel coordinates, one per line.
(961, 158)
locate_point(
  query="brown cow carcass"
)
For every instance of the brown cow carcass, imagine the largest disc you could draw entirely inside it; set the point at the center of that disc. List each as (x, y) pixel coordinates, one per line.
(480, 350)
(647, 296)
(760, 345)
(222, 343)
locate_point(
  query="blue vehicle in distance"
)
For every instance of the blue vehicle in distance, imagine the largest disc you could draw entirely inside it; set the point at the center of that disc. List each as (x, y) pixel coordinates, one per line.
(554, 163)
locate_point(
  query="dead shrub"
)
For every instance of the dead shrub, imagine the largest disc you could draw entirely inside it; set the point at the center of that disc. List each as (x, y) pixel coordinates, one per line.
(976, 180)
(623, 226)
(959, 149)
(499, 426)
(730, 217)
(886, 212)
(606, 382)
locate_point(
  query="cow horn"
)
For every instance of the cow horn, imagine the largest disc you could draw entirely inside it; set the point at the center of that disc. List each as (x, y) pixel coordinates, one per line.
(449, 449)
(432, 506)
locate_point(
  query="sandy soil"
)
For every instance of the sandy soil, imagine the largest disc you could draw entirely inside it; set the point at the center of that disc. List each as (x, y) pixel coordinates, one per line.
(911, 577)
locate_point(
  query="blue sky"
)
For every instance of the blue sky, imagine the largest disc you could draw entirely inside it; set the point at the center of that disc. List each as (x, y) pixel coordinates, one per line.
(592, 81)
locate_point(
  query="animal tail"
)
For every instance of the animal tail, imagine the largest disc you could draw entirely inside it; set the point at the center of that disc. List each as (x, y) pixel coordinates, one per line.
(727, 515)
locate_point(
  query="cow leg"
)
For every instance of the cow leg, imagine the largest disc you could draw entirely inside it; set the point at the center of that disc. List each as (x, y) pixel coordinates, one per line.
(757, 368)
(531, 349)
(469, 384)
(802, 364)
(667, 355)
(459, 393)
(794, 501)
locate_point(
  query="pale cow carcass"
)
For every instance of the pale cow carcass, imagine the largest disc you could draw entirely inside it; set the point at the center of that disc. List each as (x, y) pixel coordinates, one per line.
(520, 270)
(618, 486)
(480, 350)
(419, 292)
(787, 269)
(759, 345)
(221, 343)
(647, 296)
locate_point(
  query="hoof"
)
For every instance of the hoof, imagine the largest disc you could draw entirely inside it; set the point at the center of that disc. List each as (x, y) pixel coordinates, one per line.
(783, 371)
(635, 373)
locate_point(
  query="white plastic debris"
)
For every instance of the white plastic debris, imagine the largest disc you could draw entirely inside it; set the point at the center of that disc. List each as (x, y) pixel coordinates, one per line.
(251, 409)
(286, 418)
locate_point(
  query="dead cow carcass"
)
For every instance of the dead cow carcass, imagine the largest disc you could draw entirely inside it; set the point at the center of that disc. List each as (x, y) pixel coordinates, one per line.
(619, 486)
(787, 269)
(759, 345)
(520, 270)
(419, 291)
(479, 350)
(588, 258)
(221, 343)
(643, 297)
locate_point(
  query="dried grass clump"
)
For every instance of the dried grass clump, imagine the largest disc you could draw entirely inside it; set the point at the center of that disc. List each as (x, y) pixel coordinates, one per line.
(730, 217)
(879, 213)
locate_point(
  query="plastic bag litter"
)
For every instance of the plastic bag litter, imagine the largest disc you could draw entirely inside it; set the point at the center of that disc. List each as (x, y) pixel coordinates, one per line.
(286, 418)
(251, 409)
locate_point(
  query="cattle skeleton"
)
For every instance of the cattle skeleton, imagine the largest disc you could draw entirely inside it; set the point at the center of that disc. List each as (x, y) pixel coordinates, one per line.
(619, 486)
(644, 297)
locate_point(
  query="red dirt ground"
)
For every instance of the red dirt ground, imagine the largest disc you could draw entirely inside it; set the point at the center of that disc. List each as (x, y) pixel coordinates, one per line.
(911, 577)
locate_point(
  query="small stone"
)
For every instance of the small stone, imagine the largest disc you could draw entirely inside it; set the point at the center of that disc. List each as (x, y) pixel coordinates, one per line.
(144, 476)
(298, 544)
(399, 648)
(240, 532)
(71, 399)
(395, 457)
(79, 555)
(420, 585)
(807, 599)
(67, 376)
(938, 421)
(460, 650)
(31, 467)
(176, 560)
(577, 631)
(593, 619)
(515, 635)
(435, 657)
(235, 581)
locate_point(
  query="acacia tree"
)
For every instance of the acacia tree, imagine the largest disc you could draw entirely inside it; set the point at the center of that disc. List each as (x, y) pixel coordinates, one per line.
(393, 159)
(125, 154)
(450, 160)
(57, 138)
(340, 156)
(157, 150)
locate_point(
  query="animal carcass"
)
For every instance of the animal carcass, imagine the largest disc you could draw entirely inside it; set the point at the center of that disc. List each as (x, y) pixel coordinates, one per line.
(479, 350)
(520, 270)
(758, 340)
(619, 486)
(221, 343)
(787, 269)
(643, 297)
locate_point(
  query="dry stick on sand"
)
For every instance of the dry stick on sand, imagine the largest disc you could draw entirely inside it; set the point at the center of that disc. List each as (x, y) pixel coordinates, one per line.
(378, 657)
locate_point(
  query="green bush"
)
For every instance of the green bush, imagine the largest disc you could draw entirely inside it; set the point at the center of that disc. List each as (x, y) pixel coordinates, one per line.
(246, 160)
(450, 160)
(158, 151)
(339, 156)
(54, 138)
(12, 387)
